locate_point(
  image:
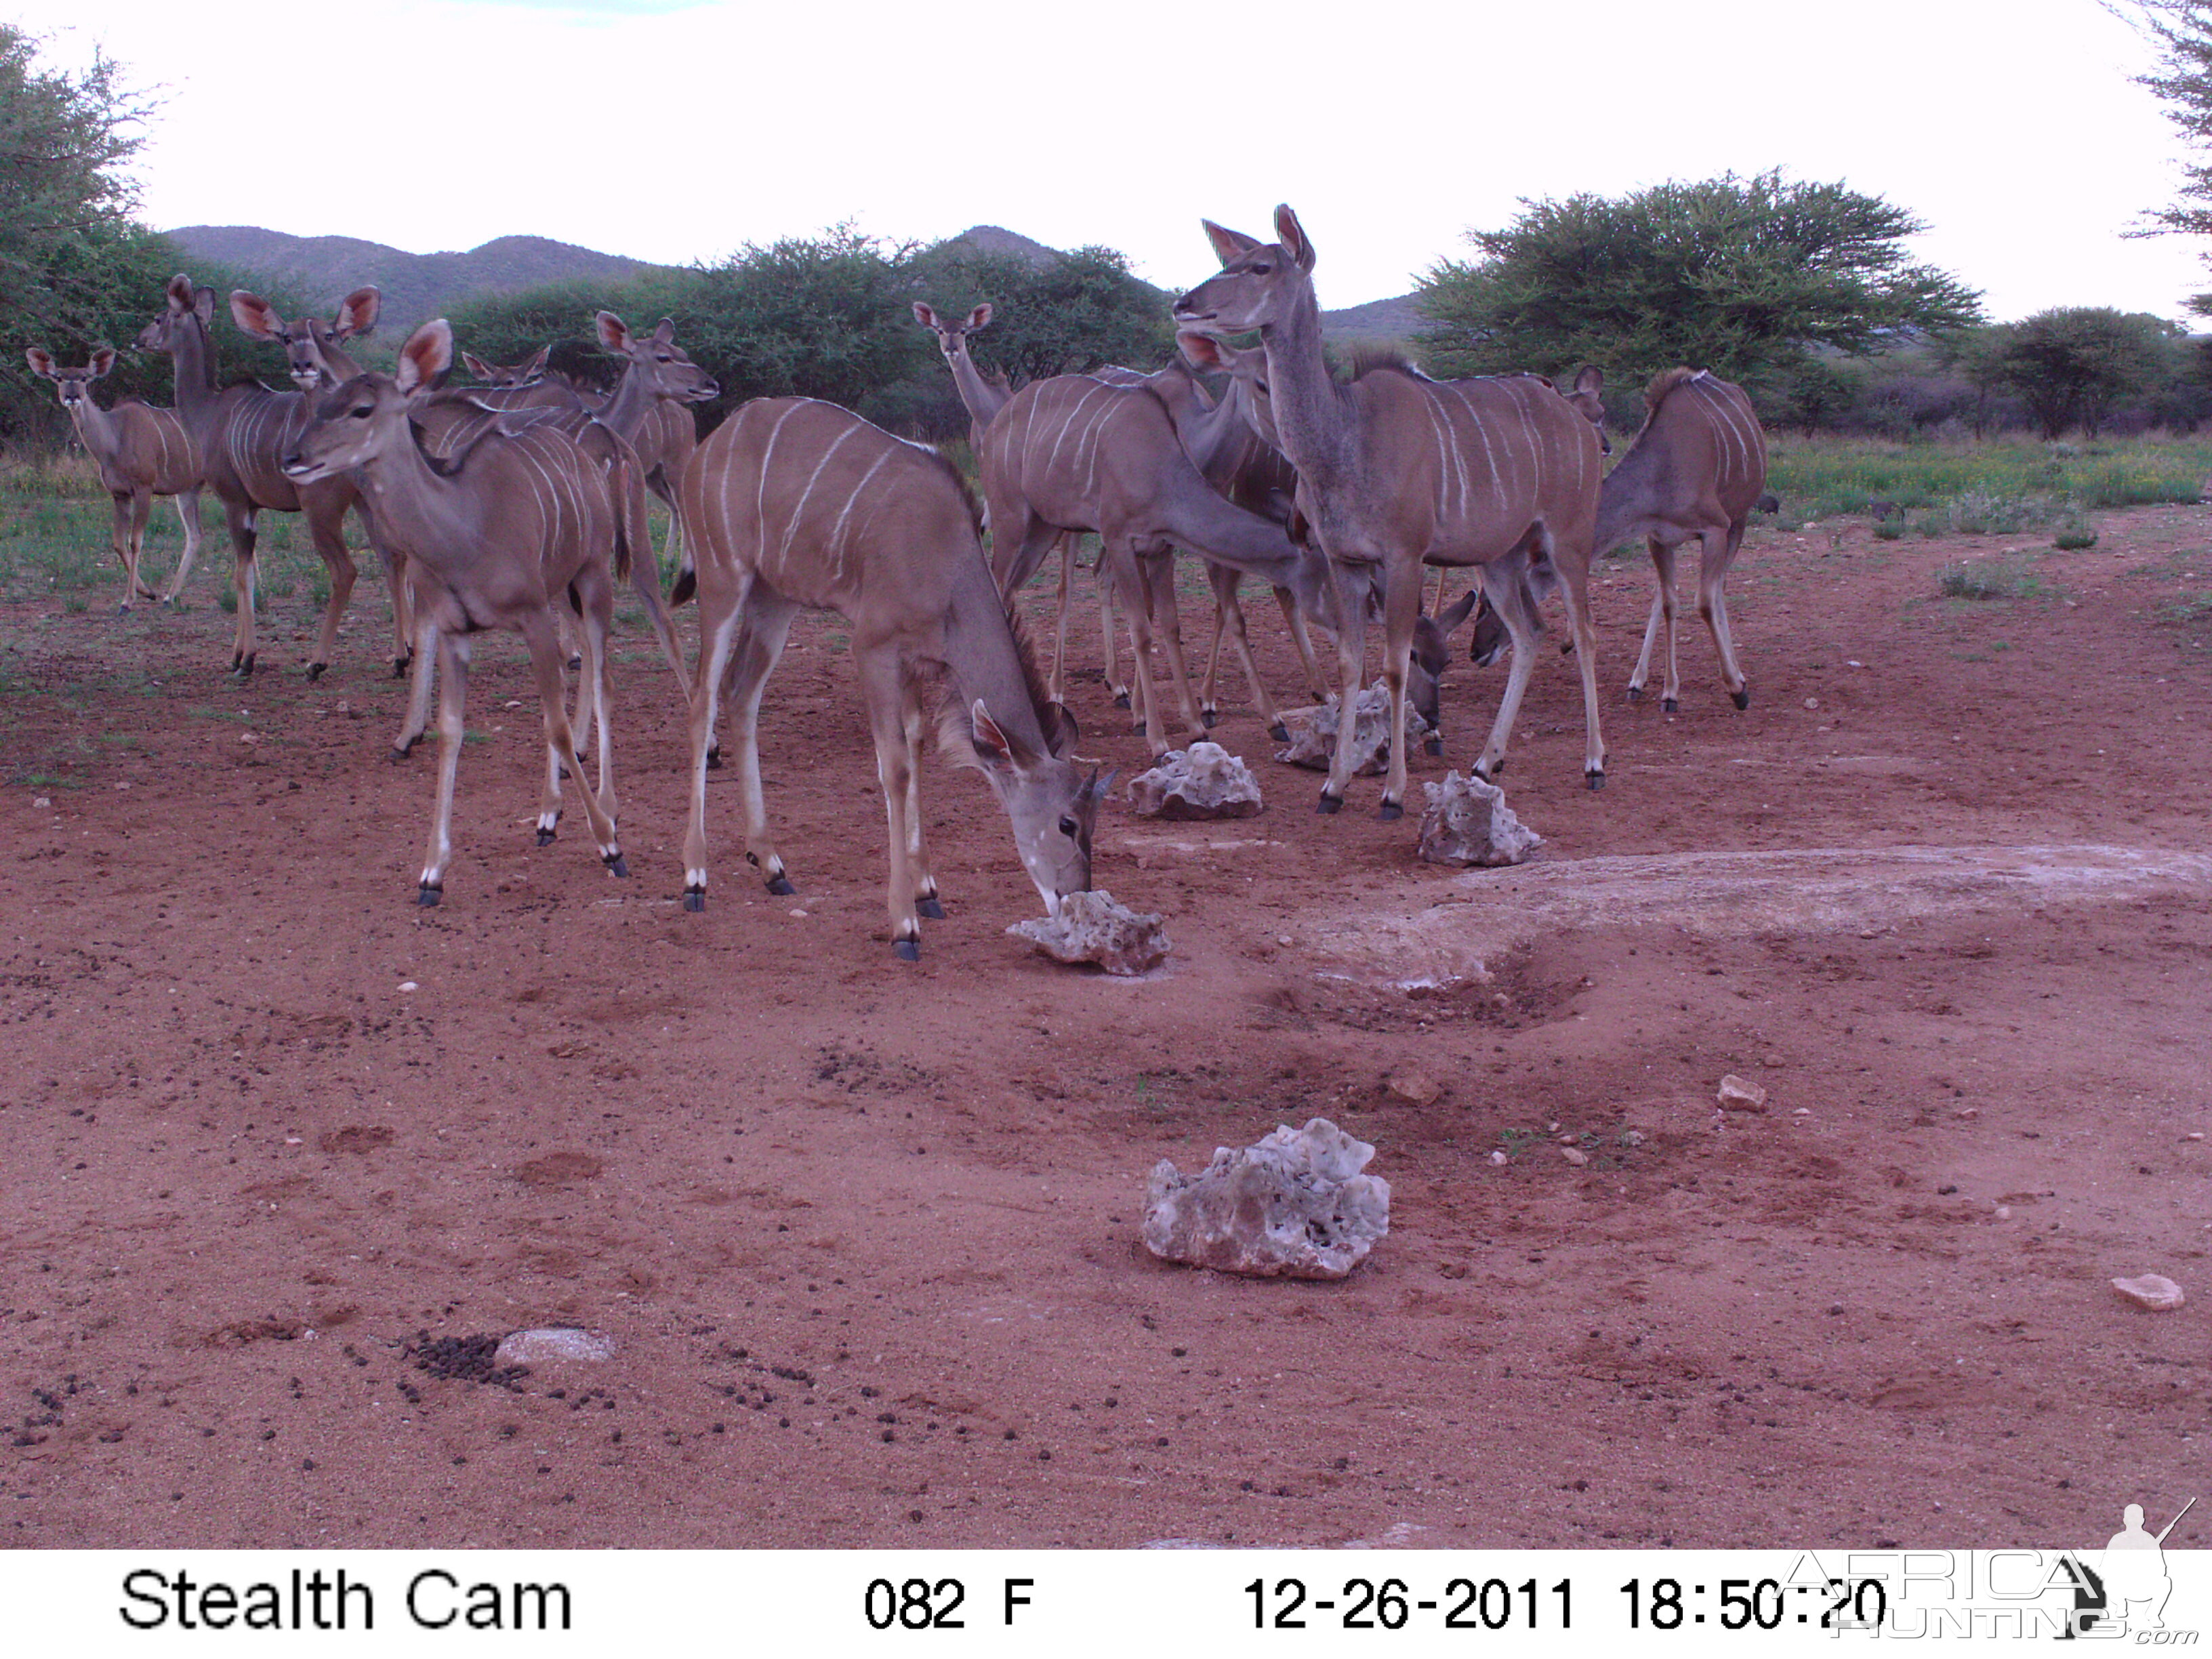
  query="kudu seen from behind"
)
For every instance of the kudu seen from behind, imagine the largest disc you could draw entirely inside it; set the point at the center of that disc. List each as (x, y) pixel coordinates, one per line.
(141, 453)
(496, 539)
(795, 504)
(1395, 470)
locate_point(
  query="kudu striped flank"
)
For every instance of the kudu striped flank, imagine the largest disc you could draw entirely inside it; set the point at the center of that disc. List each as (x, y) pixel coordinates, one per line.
(496, 537)
(795, 504)
(141, 453)
(1395, 470)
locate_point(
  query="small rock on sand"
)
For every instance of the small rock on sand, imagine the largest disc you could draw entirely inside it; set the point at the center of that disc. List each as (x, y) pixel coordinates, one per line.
(558, 1342)
(1202, 782)
(1467, 822)
(1093, 927)
(2151, 1290)
(1737, 1095)
(1293, 1205)
(1418, 1087)
(1313, 732)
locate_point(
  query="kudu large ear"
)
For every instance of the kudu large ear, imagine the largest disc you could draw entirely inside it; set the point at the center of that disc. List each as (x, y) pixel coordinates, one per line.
(428, 354)
(1292, 235)
(923, 315)
(1200, 351)
(102, 360)
(1590, 379)
(1097, 787)
(255, 315)
(1450, 618)
(664, 331)
(203, 303)
(41, 361)
(357, 312)
(994, 746)
(476, 365)
(1061, 731)
(533, 366)
(1228, 245)
(614, 333)
(979, 317)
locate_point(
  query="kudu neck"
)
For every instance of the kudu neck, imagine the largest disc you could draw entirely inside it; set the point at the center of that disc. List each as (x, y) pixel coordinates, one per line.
(983, 400)
(981, 656)
(1308, 410)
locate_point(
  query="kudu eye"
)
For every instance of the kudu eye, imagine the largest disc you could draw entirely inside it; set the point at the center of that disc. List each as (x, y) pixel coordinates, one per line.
(1069, 828)
(360, 413)
(1261, 270)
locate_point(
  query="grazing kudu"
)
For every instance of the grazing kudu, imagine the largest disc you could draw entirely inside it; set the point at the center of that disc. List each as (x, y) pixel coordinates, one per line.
(497, 537)
(141, 453)
(1080, 452)
(1394, 470)
(241, 431)
(983, 399)
(794, 503)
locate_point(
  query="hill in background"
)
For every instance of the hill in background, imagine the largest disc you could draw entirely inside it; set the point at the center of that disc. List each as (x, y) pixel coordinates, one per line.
(417, 286)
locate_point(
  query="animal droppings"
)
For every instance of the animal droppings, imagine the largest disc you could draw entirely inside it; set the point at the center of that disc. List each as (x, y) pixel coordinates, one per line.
(1467, 822)
(1202, 782)
(1293, 1205)
(1313, 732)
(539, 1347)
(2152, 1292)
(1094, 927)
(1738, 1096)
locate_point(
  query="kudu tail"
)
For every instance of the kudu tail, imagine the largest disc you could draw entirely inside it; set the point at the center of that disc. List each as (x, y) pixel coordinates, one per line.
(633, 525)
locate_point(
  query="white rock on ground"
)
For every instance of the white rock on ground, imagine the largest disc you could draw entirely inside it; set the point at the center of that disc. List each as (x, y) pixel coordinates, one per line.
(1738, 1094)
(2151, 1290)
(542, 1346)
(1469, 822)
(1094, 927)
(1294, 1206)
(1202, 782)
(1313, 732)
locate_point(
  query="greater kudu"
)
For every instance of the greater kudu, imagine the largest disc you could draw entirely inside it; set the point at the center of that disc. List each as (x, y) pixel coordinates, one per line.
(794, 503)
(142, 452)
(1082, 452)
(241, 432)
(1395, 469)
(497, 536)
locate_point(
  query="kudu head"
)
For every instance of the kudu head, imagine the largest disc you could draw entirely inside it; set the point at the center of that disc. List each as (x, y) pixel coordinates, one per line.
(355, 421)
(528, 372)
(1246, 369)
(74, 384)
(1586, 395)
(951, 337)
(1052, 805)
(1259, 282)
(184, 307)
(313, 353)
(668, 372)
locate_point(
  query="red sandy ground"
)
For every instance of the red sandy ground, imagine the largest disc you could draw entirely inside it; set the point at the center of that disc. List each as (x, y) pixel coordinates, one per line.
(867, 1232)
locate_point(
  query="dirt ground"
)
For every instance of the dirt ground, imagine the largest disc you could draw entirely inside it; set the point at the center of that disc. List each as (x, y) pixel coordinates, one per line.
(865, 1233)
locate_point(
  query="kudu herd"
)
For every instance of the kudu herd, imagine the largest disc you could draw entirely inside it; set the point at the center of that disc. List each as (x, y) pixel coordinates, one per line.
(520, 504)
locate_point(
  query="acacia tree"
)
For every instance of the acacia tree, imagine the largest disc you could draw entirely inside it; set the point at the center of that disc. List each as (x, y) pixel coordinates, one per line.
(2070, 364)
(1744, 276)
(2182, 30)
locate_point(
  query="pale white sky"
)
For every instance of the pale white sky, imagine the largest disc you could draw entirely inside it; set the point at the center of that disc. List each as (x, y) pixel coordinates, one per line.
(674, 132)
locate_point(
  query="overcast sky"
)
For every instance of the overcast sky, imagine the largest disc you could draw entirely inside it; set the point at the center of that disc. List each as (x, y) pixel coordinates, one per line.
(676, 131)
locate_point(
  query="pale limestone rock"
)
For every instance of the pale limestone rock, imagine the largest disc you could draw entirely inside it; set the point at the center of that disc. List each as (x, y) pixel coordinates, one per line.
(1294, 1205)
(1738, 1096)
(1469, 822)
(1417, 1088)
(1313, 732)
(558, 1342)
(1093, 927)
(1202, 782)
(2152, 1290)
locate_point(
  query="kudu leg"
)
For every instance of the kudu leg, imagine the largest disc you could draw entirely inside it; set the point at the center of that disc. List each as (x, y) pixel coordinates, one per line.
(1508, 600)
(1209, 706)
(926, 900)
(883, 685)
(188, 513)
(763, 629)
(1712, 605)
(1157, 582)
(1352, 666)
(401, 590)
(422, 674)
(546, 667)
(1663, 616)
(1057, 686)
(1573, 565)
(243, 522)
(452, 696)
(1316, 687)
(1110, 649)
(1401, 608)
(122, 537)
(716, 637)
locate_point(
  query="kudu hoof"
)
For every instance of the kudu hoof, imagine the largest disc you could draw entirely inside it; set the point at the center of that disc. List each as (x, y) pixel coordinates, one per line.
(243, 667)
(1328, 806)
(545, 837)
(1740, 699)
(714, 760)
(1595, 780)
(1636, 694)
(1670, 705)
(428, 895)
(400, 665)
(907, 949)
(781, 886)
(1434, 745)
(694, 898)
(1279, 733)
(615, 864)
(1209, 718)
(315, 670)
(576, 661)
(930, 907)
(1121, 700)
(1390, 811)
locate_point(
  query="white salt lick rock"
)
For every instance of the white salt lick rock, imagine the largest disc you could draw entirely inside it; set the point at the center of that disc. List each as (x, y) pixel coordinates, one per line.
(2153, 1291)
(1094, 927)
(1293, 1205)
(1202, 782)
(542, 1346)
(1467, 822)
(1313, 732)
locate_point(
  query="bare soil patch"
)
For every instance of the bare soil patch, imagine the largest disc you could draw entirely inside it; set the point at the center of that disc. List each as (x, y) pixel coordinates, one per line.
(865, 1231)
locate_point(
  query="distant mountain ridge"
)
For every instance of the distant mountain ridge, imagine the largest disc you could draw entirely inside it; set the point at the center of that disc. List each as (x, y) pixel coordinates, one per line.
(417, 286)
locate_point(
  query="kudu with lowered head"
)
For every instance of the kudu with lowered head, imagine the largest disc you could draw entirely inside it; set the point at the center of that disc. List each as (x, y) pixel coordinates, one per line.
(141, 453)
(1395, 470)
(795, 504)
(496, 537)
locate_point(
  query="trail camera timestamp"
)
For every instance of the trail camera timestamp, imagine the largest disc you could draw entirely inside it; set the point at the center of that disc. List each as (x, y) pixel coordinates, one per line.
(1464, 1603)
